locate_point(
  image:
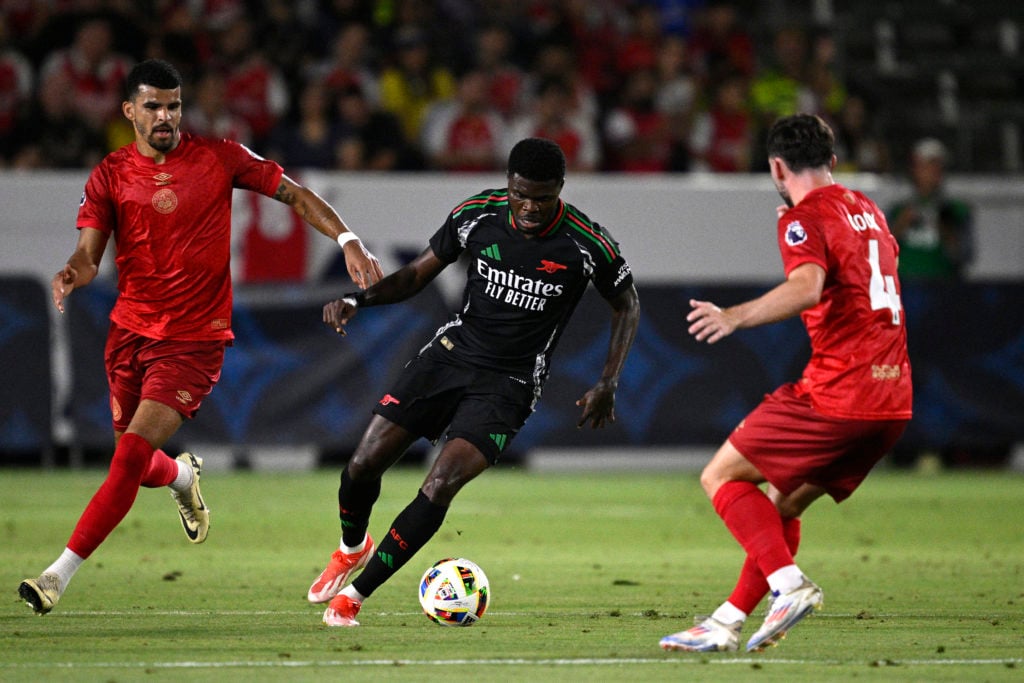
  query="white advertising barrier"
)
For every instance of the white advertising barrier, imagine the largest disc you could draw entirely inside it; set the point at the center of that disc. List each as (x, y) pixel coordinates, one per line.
(673, 228)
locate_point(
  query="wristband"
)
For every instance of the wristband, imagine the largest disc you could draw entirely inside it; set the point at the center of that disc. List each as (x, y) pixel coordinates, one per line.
(354, 298)
(346, 237)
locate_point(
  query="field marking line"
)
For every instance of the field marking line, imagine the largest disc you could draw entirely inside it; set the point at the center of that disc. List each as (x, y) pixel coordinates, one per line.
(818, 616)
(581, 661)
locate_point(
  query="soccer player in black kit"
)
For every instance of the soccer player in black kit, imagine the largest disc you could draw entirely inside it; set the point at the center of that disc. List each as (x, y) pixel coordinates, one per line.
(532, 256)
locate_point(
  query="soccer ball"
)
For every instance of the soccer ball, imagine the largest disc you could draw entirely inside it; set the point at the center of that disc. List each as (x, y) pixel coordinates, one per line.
(454, 592)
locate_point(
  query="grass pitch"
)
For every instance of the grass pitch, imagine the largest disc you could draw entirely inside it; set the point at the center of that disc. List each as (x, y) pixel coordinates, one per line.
(923, 579)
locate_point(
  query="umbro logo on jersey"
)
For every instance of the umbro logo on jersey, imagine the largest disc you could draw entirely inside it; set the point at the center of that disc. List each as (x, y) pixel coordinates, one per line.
(551, 266)
(492, 252)
(184, 397)
(388, 400)
(162, 179)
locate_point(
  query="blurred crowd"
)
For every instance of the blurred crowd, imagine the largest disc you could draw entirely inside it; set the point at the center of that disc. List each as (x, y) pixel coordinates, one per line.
(621, 85)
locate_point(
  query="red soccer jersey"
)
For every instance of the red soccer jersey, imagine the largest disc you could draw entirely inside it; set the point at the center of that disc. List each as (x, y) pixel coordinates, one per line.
(172, 226)
(859, 367)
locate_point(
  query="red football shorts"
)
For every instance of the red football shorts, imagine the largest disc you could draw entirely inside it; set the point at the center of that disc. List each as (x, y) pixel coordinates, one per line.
(792, 444)
(179, 374)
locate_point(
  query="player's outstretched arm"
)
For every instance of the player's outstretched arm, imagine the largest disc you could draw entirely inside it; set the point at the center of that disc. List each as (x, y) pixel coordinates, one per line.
(363, 267)
(598, 403)
(81, 268)
(399, 286)
(801, 290)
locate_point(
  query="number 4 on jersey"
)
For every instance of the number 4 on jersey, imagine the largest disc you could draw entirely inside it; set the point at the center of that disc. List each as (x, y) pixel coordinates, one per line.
(882, 287)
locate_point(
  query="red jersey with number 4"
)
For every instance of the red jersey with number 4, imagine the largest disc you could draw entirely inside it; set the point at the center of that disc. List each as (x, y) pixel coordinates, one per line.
(859, 367)
(172, 226)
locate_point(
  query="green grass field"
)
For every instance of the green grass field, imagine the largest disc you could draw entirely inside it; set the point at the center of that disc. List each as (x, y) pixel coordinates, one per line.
(923, 579)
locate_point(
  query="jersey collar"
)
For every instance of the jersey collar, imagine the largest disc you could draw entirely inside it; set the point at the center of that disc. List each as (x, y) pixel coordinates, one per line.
(546, 230)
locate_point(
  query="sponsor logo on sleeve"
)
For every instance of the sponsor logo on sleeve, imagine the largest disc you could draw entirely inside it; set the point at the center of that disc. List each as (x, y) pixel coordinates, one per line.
(795, 234)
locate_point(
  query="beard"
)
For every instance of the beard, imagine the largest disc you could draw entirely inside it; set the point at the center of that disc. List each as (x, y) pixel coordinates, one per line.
(162, 144)
(784, 194)
(159, 144)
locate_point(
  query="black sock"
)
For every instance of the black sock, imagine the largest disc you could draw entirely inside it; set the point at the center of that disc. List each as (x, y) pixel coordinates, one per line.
(414, 526)
(355, 502)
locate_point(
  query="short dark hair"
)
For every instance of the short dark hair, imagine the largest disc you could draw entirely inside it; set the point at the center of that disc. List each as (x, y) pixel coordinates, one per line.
(803, 141)
(155, 72)
(537, 159)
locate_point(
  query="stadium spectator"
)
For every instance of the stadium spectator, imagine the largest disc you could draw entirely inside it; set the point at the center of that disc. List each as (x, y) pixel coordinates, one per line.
(312, 136)
(720, 45)
(859, 144)
(53, 134)
(823, 434)
(16, 87)
(554, 118)
(350, 63)
(93, 69)
(639, 47)
(677, 17)
(826, 91)
(465, 133)
(166, 199)
(372, 140)
(723, 135)
(211, 117)
(677, 97)
(480, 377)
(934, 229)
(254, 89)
(557, 61)
(414, 82)
(637, 134)
(284, 28)
(780, 89)
(505, 79)
(590, 31)
(181, 37)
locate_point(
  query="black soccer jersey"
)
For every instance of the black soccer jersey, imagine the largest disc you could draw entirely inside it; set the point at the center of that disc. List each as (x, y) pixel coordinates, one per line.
(520, 292)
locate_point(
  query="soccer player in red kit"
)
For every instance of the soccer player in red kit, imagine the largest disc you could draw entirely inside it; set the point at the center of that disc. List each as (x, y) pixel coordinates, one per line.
(824, 433)
(166, 199)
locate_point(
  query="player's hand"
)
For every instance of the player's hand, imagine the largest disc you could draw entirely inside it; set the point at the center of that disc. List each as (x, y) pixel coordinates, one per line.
(709, 322)
(62, 284)
(598, 405)
(363, 267)
(337, 313)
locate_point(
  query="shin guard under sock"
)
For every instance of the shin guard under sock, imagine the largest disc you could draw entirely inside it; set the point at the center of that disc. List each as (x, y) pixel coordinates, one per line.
(410, 531)
(755, 523)
(115, 497)
(752, 586)
(355, 503)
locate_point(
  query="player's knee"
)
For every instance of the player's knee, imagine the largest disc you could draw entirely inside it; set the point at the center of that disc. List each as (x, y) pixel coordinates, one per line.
(363, 466)
(710, 481)
(443, 483)
(441, 490)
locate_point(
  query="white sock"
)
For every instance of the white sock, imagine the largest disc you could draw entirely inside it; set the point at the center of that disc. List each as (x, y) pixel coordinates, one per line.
(786, 579)
(65, 567)
(185, 476)
(348, 550)
(352, 593)
(728, 613)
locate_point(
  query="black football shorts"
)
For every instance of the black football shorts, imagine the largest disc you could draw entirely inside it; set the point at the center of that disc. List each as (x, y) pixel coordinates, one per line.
(484, 407)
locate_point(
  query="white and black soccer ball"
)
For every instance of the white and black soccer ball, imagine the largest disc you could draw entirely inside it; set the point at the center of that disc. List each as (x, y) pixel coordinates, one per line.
(455, 592)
